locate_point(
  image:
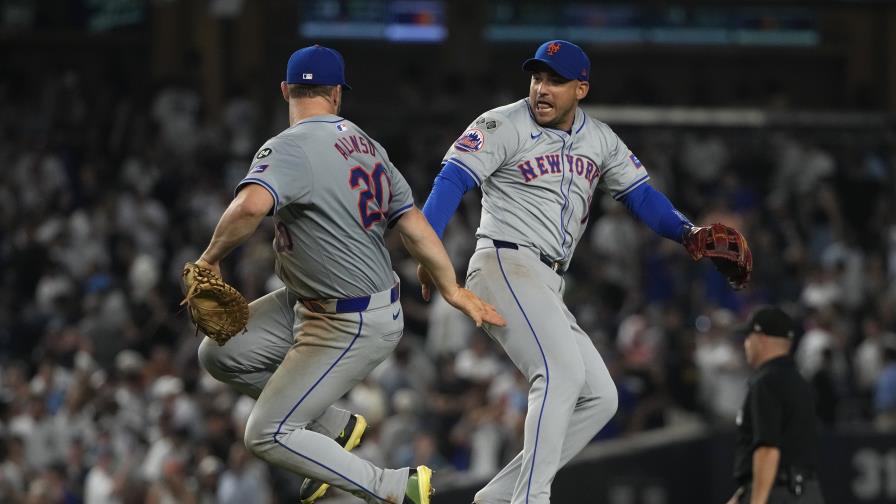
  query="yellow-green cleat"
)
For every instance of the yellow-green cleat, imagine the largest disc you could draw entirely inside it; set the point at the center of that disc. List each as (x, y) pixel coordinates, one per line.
(350, 437)
(419, 489)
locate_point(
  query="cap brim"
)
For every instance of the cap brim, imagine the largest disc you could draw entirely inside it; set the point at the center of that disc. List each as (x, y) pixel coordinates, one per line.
(531, 65)
(744, 330)
(344, 85)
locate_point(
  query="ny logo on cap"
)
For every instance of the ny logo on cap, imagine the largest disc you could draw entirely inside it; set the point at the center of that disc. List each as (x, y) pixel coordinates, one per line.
(307, 76)
(553, 48)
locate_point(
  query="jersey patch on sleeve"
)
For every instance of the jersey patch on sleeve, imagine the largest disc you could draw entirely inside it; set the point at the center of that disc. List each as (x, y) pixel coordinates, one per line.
(258, 169)
(471, 141)
(489, 123)
(634, 159)
(263, 153)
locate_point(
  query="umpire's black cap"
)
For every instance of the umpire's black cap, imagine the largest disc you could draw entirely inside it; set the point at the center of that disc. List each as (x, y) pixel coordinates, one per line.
(769, 321)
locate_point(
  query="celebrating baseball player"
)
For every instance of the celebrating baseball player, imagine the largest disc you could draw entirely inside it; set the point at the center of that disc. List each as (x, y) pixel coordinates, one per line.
(332, 192)
(538, 162)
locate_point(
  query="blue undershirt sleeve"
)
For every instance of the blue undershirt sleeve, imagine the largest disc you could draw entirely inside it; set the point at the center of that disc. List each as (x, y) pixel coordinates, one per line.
(654, 209)
(448, 189)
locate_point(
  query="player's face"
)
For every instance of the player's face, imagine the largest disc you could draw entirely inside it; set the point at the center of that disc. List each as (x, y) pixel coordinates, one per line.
(553, 99)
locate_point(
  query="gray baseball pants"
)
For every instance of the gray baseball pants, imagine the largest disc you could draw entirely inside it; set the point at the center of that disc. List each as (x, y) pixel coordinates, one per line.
(297, 363)
(571, 394)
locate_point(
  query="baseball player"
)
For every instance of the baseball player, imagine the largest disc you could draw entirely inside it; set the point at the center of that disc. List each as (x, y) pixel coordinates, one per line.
(538, 162)
(332, 192)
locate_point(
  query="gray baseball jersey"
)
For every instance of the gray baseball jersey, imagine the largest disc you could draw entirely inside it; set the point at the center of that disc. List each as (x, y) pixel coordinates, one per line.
(335, 192)
(537, 183)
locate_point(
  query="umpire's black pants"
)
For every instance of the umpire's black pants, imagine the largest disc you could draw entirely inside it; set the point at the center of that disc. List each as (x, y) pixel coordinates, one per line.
(781, 495)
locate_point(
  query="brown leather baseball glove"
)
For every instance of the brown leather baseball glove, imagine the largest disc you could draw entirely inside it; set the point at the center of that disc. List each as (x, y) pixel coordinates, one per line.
(726, 247)
(217, 309)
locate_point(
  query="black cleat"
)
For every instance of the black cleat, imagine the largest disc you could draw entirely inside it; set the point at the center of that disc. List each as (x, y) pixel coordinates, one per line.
(350, 437)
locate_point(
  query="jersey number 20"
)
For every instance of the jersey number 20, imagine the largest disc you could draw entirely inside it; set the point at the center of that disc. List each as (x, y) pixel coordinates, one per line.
(372, 192)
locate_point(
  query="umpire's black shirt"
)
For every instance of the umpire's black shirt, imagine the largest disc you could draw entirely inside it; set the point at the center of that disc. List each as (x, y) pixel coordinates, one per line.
(778, 411)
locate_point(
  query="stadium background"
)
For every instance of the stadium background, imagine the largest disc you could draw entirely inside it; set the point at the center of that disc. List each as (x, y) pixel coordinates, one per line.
(125, 124)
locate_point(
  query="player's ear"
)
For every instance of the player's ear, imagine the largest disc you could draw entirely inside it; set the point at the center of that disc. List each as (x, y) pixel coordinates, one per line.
(337, 97)
(284, 89)
(582, 90)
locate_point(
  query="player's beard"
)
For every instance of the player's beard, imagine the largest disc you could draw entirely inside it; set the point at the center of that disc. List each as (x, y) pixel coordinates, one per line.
(560, 117)
(557, 119)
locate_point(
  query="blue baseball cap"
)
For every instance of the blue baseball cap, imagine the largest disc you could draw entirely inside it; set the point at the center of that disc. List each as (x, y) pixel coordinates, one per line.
(316, 65)
(565, 58)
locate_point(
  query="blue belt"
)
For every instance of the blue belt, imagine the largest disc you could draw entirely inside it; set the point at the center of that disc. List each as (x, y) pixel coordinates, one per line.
(348, 305)
(556, 266)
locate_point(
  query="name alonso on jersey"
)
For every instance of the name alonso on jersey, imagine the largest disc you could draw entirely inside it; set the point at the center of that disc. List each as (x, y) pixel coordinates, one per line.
(352, 144)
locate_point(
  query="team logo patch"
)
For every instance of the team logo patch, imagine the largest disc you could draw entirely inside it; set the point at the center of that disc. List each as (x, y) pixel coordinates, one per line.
(258, 169)
(634, 159)
(470, 141)
(553, 48)
(341, 127)
(263, 153)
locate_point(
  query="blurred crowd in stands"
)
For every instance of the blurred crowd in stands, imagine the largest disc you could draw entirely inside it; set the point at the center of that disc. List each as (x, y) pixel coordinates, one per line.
(109, 191)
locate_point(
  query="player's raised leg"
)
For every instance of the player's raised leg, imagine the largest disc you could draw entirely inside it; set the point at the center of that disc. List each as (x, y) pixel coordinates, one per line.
(248, 360)
(332, 354)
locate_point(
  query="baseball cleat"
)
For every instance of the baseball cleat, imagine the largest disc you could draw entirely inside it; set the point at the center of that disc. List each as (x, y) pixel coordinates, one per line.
(419, 489)
(349, 438)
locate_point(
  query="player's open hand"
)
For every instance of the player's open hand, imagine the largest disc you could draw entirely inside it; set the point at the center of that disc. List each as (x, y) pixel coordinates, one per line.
(475, 308)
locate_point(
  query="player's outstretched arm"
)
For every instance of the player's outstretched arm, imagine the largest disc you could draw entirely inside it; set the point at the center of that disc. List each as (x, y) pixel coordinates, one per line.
(424, 245)
(726, 247)
(237, 224)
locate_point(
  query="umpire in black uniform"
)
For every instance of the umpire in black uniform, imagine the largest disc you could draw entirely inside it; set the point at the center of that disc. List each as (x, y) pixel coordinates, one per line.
(776, 427)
